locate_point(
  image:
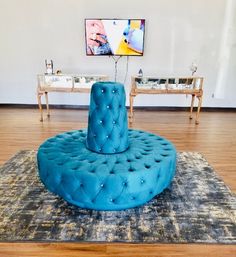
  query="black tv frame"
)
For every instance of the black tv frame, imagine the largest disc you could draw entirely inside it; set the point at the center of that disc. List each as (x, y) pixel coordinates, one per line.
(140, 55)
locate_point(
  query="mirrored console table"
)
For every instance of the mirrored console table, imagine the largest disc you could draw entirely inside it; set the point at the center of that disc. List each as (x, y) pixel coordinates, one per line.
(167, 85)
(64, 83)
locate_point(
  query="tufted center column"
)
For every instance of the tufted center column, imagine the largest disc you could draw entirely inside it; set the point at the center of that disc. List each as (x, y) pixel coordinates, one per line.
(107, 122)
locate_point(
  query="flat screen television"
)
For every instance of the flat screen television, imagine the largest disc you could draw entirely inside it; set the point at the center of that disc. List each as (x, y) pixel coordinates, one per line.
(123, 37)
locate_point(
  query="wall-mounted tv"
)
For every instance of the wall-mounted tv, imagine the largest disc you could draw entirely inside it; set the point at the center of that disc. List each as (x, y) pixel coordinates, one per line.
(114, 37)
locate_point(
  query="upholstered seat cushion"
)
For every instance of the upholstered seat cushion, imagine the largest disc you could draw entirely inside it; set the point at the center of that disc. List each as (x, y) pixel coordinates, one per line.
(104, 181)
(107, 124)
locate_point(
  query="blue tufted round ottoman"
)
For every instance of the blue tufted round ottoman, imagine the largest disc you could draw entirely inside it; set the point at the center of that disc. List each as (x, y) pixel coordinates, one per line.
(107, 167)
(104, 181)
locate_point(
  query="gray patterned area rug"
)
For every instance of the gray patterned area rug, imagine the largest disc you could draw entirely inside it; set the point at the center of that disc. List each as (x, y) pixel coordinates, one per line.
(199, 208)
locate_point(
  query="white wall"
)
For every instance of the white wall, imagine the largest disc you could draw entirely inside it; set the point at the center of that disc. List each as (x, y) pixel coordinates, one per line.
(177, 33)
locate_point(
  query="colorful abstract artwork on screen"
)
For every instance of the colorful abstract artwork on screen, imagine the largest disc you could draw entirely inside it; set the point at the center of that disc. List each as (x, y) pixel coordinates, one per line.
(114, 37)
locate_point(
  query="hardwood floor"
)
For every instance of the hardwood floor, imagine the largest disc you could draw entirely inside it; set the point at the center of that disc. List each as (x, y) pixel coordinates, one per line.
(115, 250)
(214, 137)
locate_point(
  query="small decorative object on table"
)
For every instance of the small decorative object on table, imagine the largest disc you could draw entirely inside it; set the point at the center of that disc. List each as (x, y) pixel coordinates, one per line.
(193, 68)
(140, 73)
(49, 66)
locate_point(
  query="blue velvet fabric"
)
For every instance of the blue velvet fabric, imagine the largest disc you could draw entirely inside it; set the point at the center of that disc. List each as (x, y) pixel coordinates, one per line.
(104, 181)
(107, 124)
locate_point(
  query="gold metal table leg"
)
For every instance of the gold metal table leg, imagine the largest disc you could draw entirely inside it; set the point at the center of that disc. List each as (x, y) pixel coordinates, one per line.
(40, 106)
(46, 97)
(131, 101)
(198, 109)
(191, 108)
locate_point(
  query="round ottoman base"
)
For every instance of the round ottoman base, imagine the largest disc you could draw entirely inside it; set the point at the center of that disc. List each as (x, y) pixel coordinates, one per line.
(106, 181)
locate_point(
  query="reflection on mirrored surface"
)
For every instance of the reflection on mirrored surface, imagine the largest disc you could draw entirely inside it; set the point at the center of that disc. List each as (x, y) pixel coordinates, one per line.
(69, 81)
(168, 83)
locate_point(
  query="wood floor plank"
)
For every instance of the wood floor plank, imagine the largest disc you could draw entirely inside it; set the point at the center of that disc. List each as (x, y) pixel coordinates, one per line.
(115, 250)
